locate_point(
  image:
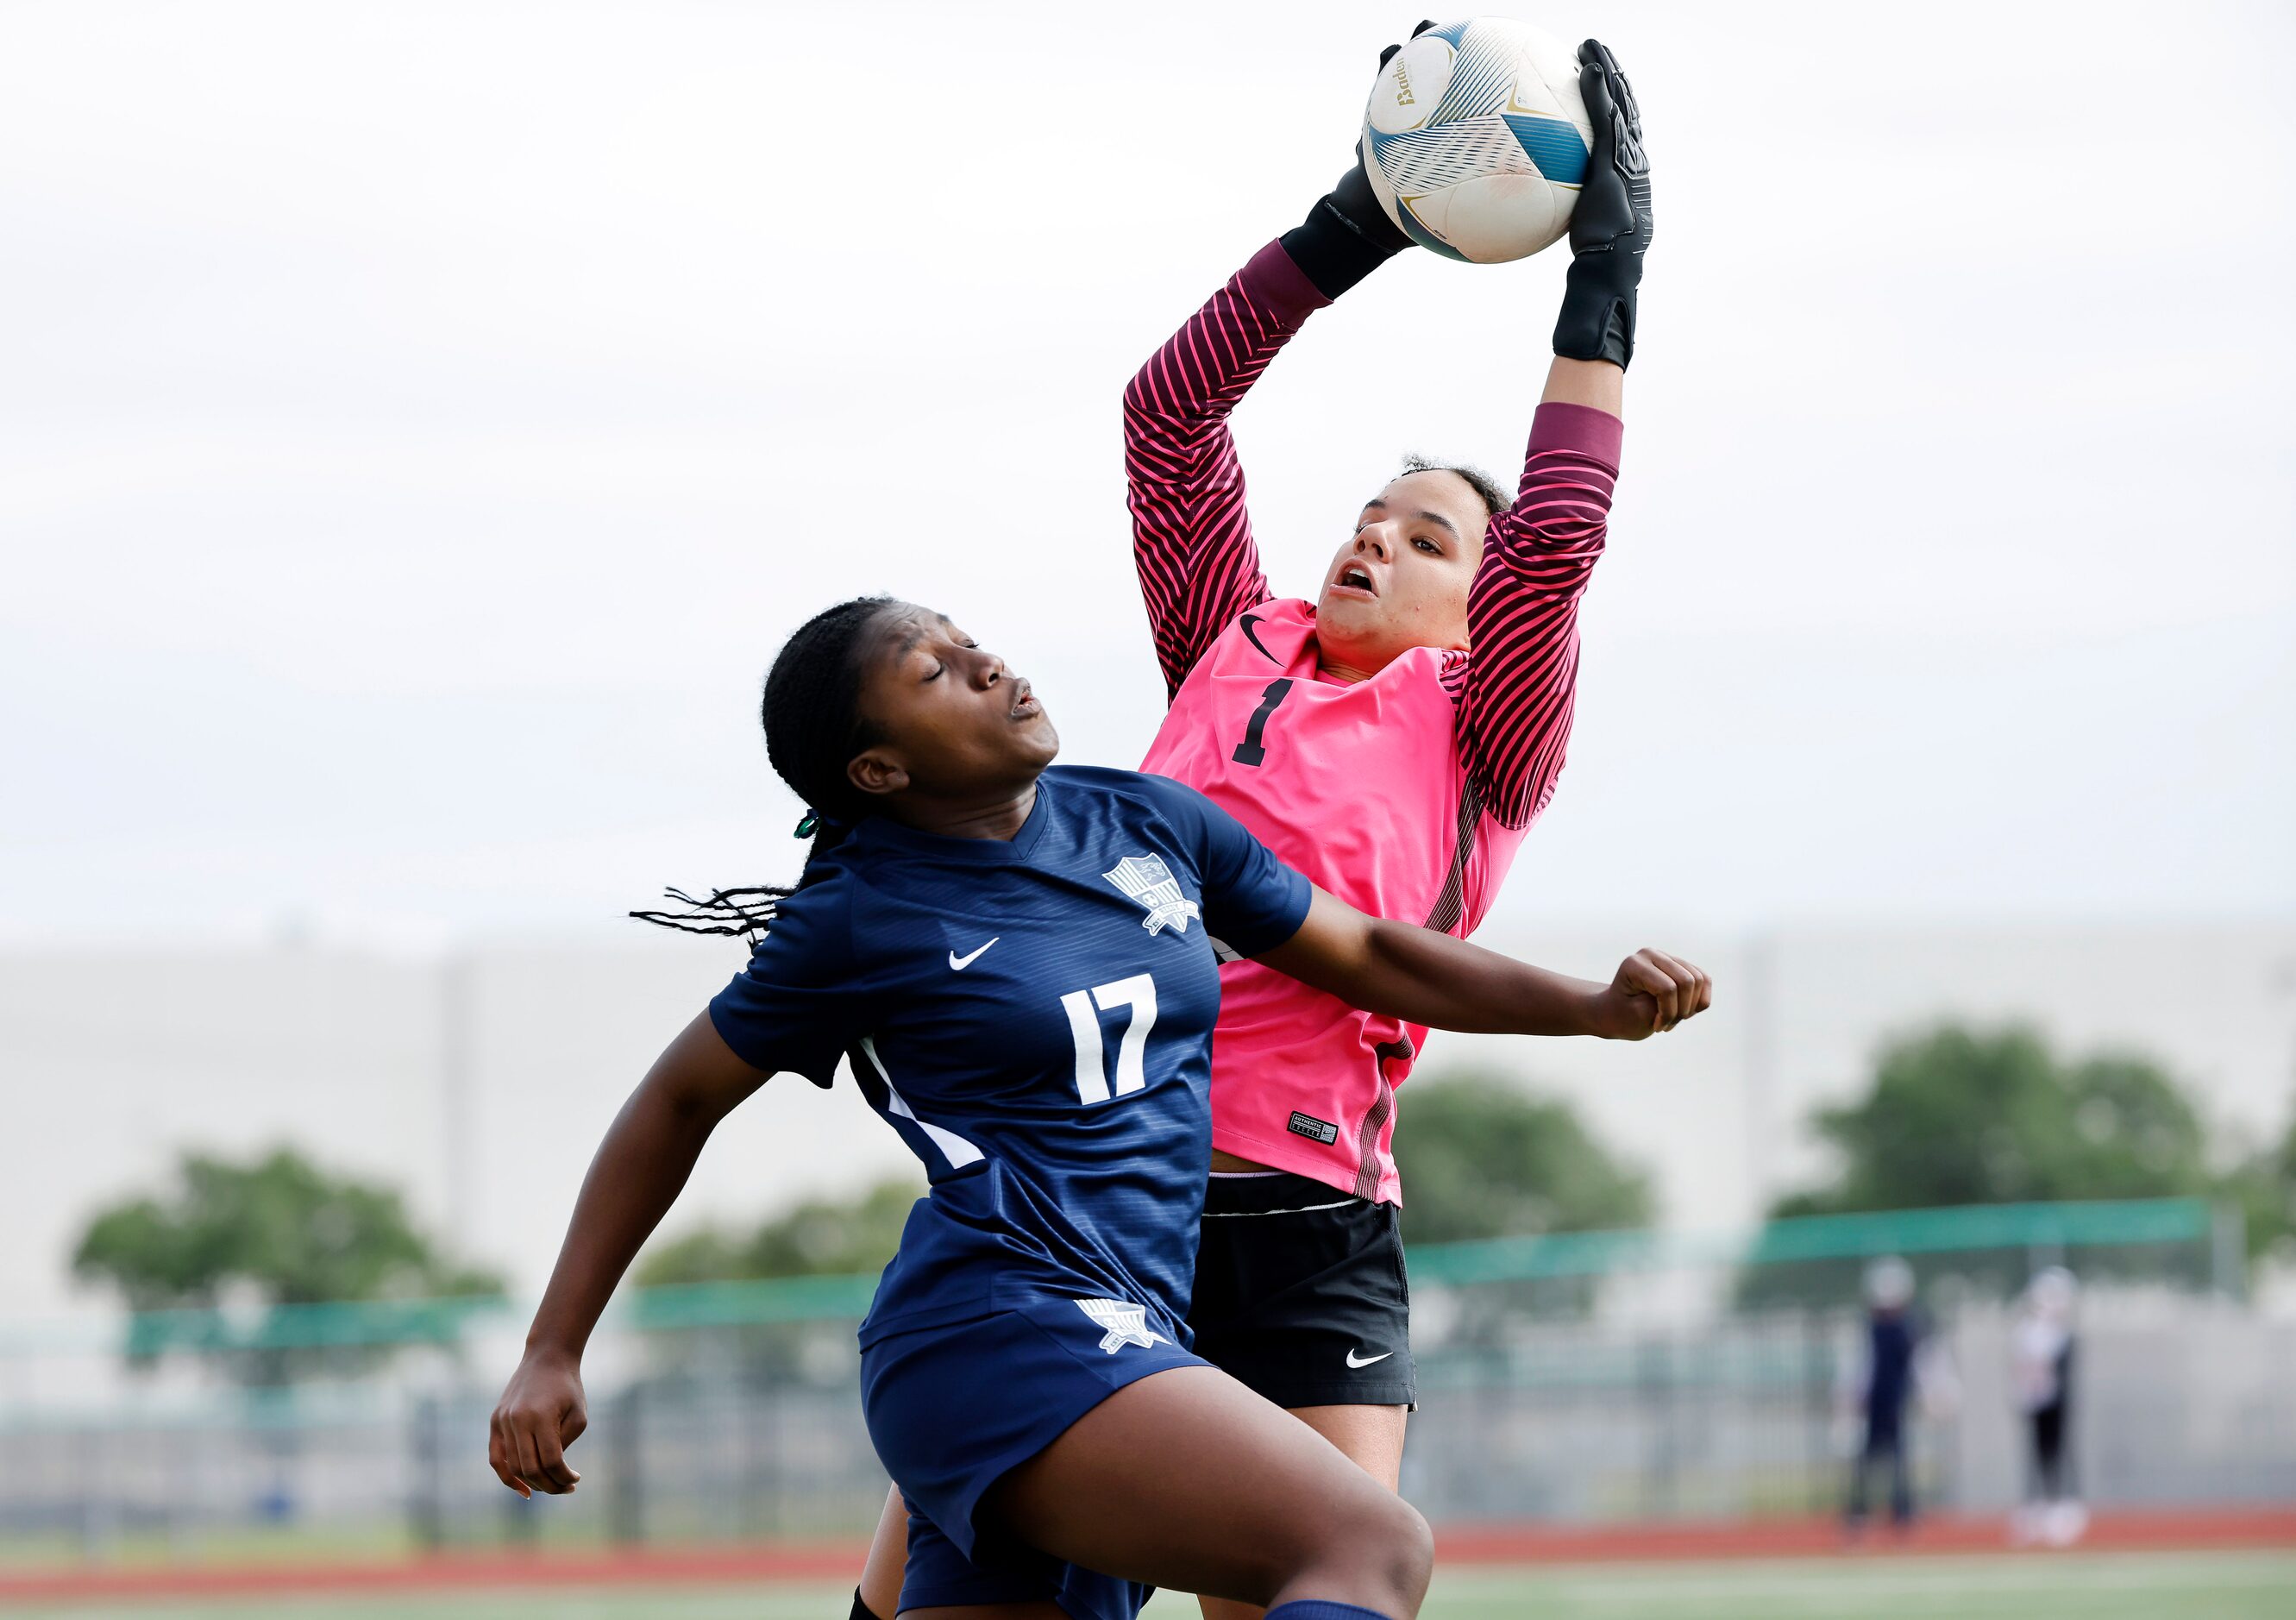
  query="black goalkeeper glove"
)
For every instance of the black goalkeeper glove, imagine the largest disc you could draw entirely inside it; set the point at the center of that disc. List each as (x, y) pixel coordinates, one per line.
(1611, 227)
(1347, 234)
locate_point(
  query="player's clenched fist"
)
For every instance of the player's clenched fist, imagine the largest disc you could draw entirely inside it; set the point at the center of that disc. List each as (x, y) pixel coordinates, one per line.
(1653, 992)
(541, 1413)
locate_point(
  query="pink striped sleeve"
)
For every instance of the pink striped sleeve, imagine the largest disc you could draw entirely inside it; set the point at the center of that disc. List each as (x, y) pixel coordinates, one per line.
(1190, 534)
(1520, 680)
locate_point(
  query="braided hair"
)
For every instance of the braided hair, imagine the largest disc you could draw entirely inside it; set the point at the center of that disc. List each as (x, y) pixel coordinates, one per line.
(811, 711)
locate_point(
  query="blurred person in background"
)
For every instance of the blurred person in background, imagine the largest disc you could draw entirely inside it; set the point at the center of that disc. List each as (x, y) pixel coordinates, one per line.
(1893, 1335)
(2041, 1371)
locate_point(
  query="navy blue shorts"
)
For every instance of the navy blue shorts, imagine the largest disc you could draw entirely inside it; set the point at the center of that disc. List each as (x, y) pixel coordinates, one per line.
(953, 1409)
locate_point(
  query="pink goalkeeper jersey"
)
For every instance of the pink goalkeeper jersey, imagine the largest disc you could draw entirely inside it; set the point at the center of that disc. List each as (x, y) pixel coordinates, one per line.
(1407, 794)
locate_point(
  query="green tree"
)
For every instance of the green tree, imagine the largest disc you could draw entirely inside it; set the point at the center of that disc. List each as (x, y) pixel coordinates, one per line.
(2264, 1187)
(1958, 1116)
(820, 1236)
(1480, 1158)
(292, 1232)
(277, 1229)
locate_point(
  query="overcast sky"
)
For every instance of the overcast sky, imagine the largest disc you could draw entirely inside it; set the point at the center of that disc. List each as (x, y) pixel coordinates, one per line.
(419, 424)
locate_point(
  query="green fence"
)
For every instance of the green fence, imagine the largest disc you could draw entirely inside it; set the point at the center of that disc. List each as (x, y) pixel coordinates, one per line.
(2050, 1230)
(2047, 1228)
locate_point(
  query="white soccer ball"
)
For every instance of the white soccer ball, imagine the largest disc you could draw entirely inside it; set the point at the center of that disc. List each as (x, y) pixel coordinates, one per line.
(1476, 138)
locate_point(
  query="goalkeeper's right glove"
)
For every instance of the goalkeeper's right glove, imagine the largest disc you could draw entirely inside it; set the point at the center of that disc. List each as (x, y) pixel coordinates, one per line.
(1347, 234)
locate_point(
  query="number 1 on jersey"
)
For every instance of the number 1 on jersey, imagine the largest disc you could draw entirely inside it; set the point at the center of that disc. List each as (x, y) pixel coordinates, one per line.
(1137, 993)
(1249, 751)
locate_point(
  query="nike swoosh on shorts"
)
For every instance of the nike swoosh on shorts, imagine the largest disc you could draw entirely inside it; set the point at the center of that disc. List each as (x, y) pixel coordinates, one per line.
(1368, 1360)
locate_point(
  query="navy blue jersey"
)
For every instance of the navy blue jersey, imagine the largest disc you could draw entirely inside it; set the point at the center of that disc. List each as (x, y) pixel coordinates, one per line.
(1035, 1019)
(1892, 1337)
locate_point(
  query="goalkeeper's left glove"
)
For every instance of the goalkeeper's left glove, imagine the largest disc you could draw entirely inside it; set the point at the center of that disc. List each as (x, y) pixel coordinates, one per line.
(1611, 227)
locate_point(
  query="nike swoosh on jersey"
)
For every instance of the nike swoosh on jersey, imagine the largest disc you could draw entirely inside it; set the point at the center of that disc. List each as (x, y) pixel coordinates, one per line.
(1245, 624)
(1368, 1360)
(961, 963)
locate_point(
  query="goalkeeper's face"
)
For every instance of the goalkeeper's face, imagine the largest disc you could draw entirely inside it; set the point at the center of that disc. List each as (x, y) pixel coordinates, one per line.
(1401, 580)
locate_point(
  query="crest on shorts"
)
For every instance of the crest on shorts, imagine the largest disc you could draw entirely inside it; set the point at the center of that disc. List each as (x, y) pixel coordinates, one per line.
(1122, 1323)
(1148, 879)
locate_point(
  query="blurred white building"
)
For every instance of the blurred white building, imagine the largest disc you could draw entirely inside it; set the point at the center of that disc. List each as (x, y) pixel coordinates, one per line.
(482, 1081)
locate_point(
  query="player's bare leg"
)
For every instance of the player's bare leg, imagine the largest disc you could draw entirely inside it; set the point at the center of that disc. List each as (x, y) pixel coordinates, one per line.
(889, 1555)
(1188, 1480)
(1371, 1438)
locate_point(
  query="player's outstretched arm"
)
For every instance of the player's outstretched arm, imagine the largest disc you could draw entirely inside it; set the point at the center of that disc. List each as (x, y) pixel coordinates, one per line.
(639, 1168)
(1428, 978)
(1522, 608)
(1191, 538)
(1596, 385)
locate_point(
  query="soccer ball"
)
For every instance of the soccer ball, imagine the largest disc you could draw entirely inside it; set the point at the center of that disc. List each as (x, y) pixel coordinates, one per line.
(1475, 139)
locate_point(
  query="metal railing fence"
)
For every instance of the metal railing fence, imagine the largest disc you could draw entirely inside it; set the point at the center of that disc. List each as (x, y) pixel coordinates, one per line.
(1574, 1378)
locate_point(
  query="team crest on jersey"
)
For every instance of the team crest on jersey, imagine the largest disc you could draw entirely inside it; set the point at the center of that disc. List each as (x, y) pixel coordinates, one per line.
(1122, 1323)
(1148, 879)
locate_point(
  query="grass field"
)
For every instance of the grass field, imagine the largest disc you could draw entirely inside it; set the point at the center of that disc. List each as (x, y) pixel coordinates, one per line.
(2107, 1586)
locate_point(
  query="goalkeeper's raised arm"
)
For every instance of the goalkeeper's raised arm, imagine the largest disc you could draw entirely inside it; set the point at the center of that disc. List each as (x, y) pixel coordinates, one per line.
(1519, 691)
(1191, 536)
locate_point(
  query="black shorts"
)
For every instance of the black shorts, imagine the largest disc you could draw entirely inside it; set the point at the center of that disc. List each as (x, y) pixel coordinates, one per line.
(1300, 1293)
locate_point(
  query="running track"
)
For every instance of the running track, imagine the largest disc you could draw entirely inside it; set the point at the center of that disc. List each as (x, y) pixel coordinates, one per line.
(2123, 1532)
